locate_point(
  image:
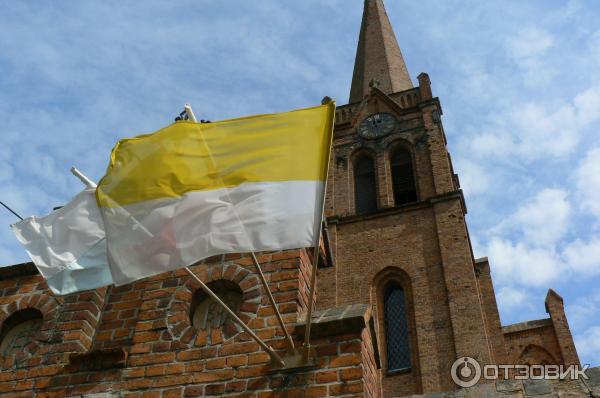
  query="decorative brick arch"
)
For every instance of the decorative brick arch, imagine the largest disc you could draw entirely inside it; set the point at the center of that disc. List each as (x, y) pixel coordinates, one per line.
(47, 306)
(536, 355)
(179, 322)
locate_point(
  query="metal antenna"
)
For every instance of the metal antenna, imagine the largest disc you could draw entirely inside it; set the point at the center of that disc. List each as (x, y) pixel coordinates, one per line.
(11, 210)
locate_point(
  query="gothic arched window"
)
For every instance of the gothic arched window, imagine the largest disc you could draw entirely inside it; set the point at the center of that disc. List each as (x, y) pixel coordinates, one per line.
(403, 179)
(365, 188)
(396, 328)
(18, 330)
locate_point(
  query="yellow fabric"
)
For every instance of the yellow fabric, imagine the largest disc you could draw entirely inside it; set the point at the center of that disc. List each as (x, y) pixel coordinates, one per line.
(187, 156)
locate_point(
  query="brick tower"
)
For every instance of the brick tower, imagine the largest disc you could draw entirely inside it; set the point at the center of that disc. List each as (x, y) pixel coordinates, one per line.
(397, 232)
(400, 296)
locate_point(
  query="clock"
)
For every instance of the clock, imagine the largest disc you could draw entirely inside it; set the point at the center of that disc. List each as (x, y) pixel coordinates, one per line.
(377, 125)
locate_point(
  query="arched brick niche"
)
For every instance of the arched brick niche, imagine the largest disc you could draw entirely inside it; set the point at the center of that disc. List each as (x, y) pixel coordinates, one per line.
(27, 321)
(536, 355)
(234, 284)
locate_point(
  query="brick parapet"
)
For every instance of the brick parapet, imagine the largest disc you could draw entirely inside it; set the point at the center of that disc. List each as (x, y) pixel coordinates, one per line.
(556, 310)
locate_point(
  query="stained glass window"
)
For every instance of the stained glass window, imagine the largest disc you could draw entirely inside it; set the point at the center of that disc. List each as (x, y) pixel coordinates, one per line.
(365, 188)
(396, 328)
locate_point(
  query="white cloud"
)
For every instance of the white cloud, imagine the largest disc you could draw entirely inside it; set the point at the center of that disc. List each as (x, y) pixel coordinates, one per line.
(587, 104)
(530, 247)
(542, 131)
(544, 220)
(583, 257)
(536, 130)
(528, 48)
(529, 42)
(584, 311)
(541, 221)
(492, 142)
(511, 298)
(588, 181)
(474, 179)
(530, 131)
(520, 264)
(588, 345)
(594, 46)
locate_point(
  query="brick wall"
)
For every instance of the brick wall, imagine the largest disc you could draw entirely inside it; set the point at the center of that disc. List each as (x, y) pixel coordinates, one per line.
(137, 340)
(532, 343)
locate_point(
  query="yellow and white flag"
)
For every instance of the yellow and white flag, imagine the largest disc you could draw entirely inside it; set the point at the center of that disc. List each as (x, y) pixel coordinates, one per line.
(191, 190)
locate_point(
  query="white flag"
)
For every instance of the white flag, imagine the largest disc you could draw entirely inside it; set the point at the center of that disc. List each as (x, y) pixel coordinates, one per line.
(68, 246)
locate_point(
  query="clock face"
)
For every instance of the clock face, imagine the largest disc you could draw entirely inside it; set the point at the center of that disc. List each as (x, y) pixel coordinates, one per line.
(377, 125)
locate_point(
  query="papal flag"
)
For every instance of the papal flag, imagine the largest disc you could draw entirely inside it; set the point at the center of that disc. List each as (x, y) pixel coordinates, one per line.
(194, 190)
(68, 246)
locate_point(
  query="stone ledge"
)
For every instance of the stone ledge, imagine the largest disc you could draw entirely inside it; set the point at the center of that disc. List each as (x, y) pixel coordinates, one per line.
(332, 321)
(528, 325)
(348, 319)
(386, 211)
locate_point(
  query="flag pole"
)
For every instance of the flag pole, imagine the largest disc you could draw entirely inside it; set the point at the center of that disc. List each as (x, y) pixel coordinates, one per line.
(290, 342)
(288, 338)
(311, 295)
(274, 356)
(86, 181)
(313, 277)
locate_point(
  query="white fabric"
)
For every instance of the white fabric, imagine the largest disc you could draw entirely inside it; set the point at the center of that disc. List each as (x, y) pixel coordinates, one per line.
(156, 236)
(68, 246)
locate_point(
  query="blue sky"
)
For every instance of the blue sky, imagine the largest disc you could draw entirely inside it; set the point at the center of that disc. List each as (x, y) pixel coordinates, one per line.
(518, 82)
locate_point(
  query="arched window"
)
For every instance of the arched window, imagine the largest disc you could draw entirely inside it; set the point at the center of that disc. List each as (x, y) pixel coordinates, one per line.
(206, 314)
(396, 328)
(18, 330)
(365, 188)
(403, 178)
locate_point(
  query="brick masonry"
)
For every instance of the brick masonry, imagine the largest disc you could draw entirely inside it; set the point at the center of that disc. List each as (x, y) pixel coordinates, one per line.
(138, 341)
(453, 310)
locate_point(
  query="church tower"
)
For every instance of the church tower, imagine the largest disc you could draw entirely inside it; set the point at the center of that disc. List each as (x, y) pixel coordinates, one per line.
(396, 227)
(400, 296)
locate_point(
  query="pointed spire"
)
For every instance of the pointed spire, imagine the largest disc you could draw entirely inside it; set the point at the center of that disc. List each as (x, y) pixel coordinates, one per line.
(378, 56)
